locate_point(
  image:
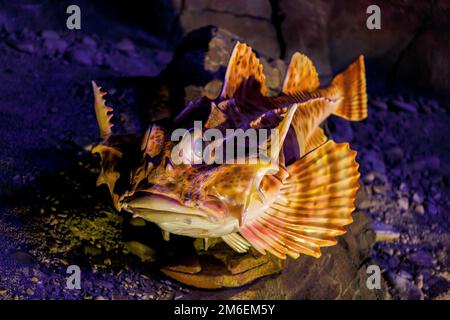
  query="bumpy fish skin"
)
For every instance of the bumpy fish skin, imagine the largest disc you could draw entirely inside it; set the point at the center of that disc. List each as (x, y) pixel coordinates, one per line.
(292, 207)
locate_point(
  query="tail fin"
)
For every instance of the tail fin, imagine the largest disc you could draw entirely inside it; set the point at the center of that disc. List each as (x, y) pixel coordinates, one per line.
(350, 86)
(315, 202)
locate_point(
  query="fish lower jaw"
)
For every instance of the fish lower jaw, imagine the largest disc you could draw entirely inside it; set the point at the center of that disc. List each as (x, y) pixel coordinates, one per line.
(200, 231)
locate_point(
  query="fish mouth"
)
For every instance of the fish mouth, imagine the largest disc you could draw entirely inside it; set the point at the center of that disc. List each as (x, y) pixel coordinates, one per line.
(151, 205)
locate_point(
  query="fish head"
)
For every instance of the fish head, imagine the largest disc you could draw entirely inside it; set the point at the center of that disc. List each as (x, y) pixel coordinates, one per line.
(185, 195)
(179, 185)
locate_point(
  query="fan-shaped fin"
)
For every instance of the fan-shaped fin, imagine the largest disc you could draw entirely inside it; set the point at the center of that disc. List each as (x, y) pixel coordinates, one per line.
(314, 204)
(243, 64)
(300, 75)
(235, 241)
(350, 87)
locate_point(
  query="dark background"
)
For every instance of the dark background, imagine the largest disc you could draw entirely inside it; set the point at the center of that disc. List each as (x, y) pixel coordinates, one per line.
(51, 214)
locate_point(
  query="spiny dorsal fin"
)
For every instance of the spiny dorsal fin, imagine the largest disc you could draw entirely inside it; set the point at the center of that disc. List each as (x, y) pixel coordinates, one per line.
(103, 112)
(315, 202)
(243, 64)
(300, 76)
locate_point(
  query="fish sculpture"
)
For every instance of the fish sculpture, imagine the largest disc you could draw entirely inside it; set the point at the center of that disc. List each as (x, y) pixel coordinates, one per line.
(295, 203)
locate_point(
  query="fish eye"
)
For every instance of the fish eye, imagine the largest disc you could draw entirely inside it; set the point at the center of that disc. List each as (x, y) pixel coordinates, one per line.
(197, 144)
(191, 147)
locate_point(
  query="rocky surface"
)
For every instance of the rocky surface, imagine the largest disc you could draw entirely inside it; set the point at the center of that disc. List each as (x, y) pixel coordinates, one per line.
(407, 50)
(341, 273)
(51, 214)
(403, 152)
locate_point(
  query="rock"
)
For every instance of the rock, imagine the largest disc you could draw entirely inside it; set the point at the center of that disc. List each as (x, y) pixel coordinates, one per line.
(369, 178)
(89, 42)
(137, 222)
(404, 106)
(379, 104)
(336, 275)
(164, 56)
(250, 26)
(189, 265)
(307, 32)
(374, 160)
(419, 281)
(365, 204)
(385, 232)
(419, 209)
(404, 188)
(49, 35)
(24, 258)
(403, 204)
(145, 253)
(431, 209)
(126, 45)
(431, 69)
(394, 156)
(380, 189)
(200, 61)
(82, 56)
(54, 46)
(422, 258)
(429, 162)
(417, 198)
(393, 262)
(402, 281)
(24, 46)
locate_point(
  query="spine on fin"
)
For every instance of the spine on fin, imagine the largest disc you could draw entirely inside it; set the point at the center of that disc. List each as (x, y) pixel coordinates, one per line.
(350, 86)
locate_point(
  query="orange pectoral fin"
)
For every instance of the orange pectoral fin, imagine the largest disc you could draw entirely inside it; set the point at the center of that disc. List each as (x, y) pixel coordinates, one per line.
(315, 202)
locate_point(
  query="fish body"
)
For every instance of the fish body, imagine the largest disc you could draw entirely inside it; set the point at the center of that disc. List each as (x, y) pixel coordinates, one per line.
(284, 204)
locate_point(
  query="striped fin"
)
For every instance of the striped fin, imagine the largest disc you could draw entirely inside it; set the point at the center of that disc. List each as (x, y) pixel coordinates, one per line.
(102, 112)
(301, 75)
(314, 204)
(306, 123)
(243, 64)
(315, 140)
(350, 85)
(235, 241)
